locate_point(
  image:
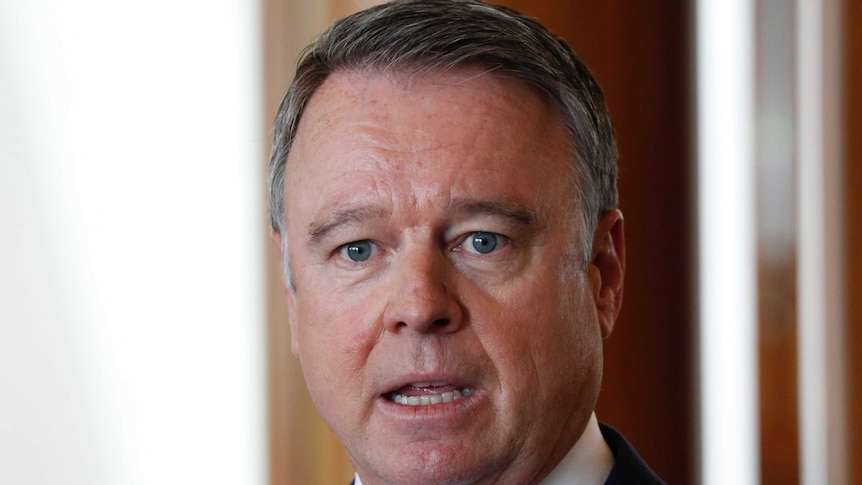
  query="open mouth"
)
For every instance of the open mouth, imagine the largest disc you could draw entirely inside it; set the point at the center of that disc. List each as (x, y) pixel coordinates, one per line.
(427, 394)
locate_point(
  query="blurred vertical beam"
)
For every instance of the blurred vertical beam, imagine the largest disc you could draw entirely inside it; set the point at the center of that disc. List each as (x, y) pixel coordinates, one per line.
(776, 240)
(726, 252)
(853, 218)
(821, 289)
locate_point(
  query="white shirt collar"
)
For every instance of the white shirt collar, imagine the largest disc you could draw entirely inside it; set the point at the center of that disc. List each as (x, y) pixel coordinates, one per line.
(589, 462)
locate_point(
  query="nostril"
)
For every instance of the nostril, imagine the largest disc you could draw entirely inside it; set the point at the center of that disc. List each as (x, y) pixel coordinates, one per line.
(441, 322)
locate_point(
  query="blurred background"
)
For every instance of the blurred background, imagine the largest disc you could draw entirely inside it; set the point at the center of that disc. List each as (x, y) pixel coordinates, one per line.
(143, 336)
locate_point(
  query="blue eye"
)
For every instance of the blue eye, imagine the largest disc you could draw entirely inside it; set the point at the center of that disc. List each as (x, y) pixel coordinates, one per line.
(482, 242)
(358, 251)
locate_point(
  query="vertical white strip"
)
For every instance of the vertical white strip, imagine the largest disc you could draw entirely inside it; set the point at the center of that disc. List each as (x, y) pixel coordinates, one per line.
(820, 283)
(726, 253)
(131, 299)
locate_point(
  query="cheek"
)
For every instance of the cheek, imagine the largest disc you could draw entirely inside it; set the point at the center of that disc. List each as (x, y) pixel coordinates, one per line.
(335, 337)
(334, 348)
(535, 336)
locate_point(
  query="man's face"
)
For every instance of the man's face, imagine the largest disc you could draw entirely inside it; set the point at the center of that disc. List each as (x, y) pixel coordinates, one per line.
(446, 328)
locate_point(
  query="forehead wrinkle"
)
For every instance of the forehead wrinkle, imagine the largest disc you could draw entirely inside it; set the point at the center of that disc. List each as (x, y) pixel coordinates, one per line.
(320, 227)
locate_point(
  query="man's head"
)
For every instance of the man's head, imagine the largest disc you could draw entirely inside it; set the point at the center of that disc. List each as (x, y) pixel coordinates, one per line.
(417, 37)
(443, 188)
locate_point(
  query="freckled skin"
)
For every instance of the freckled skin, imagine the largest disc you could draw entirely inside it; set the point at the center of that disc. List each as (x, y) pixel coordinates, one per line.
(522, 325)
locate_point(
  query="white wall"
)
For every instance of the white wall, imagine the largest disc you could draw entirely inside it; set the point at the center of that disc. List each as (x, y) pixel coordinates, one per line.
(131, 232)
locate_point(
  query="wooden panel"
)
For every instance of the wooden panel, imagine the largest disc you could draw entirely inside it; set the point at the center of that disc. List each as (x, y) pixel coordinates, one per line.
(853, 224)
(779, 430)
(639, 53)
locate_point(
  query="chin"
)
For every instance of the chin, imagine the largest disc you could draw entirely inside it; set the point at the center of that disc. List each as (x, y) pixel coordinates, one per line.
(431, 464)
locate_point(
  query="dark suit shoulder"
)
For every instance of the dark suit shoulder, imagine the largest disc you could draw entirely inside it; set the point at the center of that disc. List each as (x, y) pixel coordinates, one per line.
(628, 468)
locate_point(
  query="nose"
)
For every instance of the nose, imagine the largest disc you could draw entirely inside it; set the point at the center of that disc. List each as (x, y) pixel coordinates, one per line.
(422, 296)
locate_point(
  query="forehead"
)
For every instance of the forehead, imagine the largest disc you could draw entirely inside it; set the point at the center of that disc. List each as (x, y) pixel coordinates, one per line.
(462, 128)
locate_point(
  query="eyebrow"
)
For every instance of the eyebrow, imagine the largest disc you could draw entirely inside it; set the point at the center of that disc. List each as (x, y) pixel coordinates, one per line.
(320, 227)
(500, 208)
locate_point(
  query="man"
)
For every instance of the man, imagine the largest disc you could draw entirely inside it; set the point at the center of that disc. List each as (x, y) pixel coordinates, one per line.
(443, 190)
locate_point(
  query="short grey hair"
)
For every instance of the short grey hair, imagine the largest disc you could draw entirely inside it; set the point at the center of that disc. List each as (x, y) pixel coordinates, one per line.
(421, 36)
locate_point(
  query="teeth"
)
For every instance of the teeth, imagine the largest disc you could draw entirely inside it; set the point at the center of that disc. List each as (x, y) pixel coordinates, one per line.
(429, 399)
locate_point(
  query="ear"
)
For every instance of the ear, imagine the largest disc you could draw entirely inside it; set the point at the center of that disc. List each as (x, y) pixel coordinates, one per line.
(607, 269)
(290, 296)
(275, 237)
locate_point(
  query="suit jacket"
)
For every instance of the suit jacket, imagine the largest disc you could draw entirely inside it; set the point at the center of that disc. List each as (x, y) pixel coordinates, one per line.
(629, 468)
